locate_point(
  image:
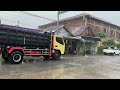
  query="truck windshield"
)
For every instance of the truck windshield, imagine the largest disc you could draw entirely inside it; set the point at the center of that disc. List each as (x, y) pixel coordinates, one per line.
(59, 40)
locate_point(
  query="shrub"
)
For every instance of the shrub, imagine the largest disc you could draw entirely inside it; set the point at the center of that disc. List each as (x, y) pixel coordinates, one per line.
(118, 45)
(109, 42)
(101, 35)
(100, 49)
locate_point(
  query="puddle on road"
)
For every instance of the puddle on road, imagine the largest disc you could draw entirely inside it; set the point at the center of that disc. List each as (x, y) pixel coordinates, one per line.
(32, 65)
(33, 59)
(56, 73)
(7, 68)
(59, 69)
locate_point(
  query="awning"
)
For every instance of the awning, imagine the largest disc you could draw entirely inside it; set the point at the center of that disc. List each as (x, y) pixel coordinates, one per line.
(91, 39)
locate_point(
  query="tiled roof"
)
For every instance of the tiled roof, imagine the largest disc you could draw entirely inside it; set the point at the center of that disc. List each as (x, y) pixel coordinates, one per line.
(70, 18)
(81, 15)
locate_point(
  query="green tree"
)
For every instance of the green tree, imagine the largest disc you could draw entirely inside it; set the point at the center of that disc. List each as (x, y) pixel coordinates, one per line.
(118, 45)
(109, 43)
(101, 35)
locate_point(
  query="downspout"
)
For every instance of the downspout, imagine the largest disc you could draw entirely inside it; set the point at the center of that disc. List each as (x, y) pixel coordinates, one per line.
(85, 21)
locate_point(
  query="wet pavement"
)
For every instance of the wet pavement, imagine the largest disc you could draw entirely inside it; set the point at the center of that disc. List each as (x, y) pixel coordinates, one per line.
(68, 67)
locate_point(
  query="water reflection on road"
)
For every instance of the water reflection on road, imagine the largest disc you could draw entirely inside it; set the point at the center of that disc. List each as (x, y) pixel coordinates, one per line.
(68, 67)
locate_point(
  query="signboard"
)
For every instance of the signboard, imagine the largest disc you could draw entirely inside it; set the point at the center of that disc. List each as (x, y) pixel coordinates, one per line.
(89, 41)
(61, 12)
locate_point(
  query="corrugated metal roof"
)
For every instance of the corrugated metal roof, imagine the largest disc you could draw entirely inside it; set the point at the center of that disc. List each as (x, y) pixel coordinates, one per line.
(54, 28)
(79, 30)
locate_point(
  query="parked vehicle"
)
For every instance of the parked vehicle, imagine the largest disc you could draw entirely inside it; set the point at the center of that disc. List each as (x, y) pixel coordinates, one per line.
(17, 42)
(111, 51)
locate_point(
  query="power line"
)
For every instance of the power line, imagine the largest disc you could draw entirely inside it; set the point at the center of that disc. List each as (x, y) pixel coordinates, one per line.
(37, 16)
(30, 14)
(17, 22)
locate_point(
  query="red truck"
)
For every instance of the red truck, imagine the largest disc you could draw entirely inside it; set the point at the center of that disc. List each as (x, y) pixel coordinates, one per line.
(17, 42)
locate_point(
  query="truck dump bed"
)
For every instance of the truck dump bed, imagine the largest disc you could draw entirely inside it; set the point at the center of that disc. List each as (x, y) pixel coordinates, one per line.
(25, 37)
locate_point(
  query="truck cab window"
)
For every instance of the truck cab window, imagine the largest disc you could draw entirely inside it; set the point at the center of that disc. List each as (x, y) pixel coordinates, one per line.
(59, 40)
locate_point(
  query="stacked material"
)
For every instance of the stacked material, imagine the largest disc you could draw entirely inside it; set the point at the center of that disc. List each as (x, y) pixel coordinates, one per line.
(25, 37)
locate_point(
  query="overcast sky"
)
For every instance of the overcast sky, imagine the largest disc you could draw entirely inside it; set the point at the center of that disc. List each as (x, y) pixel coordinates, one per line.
(12, 17)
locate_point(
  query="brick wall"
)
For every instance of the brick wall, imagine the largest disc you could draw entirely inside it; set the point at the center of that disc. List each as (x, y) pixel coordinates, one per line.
(87, 32)
(97, 26)
(70, 25)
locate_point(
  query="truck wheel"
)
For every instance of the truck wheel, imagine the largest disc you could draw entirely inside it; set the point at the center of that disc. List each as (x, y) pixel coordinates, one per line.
(16, 57)
(46, 57)
(56, 55)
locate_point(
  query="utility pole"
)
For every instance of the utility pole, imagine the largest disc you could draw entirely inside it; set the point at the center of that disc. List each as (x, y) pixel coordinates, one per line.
(58, 17)
(18, 23)
(84, 48)
(58, 20)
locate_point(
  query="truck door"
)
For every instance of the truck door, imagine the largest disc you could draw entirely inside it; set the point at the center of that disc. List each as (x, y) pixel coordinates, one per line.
(59, 44)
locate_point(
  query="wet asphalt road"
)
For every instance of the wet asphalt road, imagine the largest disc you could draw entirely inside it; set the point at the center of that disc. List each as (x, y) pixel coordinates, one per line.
(68, 67)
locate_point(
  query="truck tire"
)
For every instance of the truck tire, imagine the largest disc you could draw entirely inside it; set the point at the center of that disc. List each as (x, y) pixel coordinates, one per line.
(16, 57)
(46, 57)
(56, 55)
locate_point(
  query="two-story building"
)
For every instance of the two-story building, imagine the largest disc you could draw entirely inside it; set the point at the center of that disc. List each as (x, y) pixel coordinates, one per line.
(87, 26)
(97, 25)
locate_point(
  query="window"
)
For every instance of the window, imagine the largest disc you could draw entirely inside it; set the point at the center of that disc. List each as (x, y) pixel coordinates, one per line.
(114, 33)
(119, 34)
(59, 40)
(111, 32)
(104, 30)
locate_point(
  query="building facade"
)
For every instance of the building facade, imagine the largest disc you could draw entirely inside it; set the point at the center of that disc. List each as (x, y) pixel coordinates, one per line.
(87, 26)
(97, 25)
